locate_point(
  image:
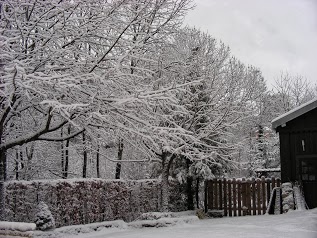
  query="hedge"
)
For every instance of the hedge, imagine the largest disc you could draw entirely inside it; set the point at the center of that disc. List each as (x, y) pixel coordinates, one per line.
(82, 201)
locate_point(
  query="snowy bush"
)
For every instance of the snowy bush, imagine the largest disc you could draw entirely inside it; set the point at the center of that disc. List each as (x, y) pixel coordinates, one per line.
(155, 215)
(44, 218)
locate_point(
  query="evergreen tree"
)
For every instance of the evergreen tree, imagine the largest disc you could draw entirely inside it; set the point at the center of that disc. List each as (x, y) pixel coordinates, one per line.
(44, 218)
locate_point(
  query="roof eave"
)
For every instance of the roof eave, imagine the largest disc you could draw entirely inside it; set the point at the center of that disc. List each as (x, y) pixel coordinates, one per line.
(296, 112)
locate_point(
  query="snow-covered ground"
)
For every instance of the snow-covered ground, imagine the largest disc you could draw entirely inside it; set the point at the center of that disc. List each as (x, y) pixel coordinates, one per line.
(297, 224)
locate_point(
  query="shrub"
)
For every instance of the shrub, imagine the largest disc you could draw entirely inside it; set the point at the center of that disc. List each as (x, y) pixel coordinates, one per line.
(44, 219)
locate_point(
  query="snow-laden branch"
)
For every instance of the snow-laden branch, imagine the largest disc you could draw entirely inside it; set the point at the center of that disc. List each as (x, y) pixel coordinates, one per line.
(44, 129)
(148, 94)
(61, 138)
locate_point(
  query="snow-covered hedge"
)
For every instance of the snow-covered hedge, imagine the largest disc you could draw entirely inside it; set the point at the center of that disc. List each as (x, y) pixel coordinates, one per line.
(82, 201)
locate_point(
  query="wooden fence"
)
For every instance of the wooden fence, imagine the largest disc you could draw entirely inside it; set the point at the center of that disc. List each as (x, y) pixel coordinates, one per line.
(239, 197)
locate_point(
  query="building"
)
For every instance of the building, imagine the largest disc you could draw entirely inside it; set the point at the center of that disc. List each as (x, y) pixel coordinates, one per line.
(298, 148)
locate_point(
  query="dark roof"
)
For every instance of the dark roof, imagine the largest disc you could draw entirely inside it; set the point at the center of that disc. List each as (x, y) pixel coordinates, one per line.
(294, 113)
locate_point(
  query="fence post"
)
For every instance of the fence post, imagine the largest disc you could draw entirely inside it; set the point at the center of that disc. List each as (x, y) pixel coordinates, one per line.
(248, 196)
(216, 193)
(258, 189)
(278, 182)
(225, 197)
(239, 196)
(253, 197)
(220, 194)
(244, 196)
(234, 190)
(206, 196)
(210, 194)
(268, 190)
(229, 197)
(263, 195)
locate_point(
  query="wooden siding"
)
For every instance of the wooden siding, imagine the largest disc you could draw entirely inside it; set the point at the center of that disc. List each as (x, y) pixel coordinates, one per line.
(303, 128)
(298, 142)
(285, 157)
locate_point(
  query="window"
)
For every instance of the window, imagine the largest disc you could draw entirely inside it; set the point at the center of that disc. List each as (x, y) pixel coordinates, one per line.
(309, 169)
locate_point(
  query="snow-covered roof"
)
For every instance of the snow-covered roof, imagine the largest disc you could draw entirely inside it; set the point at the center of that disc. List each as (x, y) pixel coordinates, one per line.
(294, 113)
(268, 170)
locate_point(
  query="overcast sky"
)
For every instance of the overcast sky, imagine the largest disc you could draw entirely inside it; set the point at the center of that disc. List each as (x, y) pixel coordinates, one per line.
(274, 35)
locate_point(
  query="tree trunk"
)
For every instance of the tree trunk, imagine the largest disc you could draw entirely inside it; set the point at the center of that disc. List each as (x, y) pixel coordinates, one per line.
(2, 179)
(262, 147)
(165, 190)
(62, 155)
(120, 152)
(16, 165)
(85, 157)
(65, 168)
(3, 166)
(65, 173)
(2, 205)
(21, 160)
(260, 141)
(189, 190)
(166, 164)
(97, 164)
(29, 155)
(197, 192)
(3, 155)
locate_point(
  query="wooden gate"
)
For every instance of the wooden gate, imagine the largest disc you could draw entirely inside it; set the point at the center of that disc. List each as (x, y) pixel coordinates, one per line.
(239, 197)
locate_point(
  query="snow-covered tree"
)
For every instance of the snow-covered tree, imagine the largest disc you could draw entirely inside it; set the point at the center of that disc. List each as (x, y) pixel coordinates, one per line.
(263, 146)
(69, 63)
(44, 218)
(120, 81)
(291, 91)
(217, 99)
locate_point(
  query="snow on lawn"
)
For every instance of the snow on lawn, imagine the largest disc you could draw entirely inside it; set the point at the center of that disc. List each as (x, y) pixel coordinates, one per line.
(297, 224)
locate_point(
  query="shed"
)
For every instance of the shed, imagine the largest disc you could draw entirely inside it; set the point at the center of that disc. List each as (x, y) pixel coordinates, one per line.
(298, 148)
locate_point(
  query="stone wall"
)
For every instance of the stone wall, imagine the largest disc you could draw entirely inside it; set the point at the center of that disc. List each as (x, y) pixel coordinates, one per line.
(288, 201)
